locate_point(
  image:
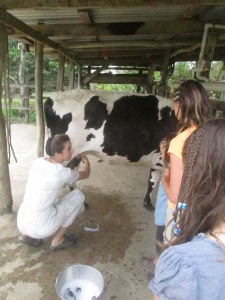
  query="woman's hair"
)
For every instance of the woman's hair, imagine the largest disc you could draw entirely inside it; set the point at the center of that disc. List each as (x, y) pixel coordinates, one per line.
(202, 189)
(194, 104)
(166, 143)
(56, 144)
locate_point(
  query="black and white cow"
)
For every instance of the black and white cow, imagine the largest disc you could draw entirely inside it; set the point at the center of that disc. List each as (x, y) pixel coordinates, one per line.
(119, 127)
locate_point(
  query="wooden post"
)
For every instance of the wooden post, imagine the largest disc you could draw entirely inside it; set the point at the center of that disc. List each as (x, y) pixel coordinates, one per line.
(60, 77)
(165, 69)
(39, 98)
(89, 73)
(71, 79)
(138, 87)
(26, 100)
(79, 78)
(6, 200)
(150, 77)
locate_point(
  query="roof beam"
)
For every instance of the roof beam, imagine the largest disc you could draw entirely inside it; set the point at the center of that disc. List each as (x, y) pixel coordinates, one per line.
(120, 44)
(85, 16)
(80, 30)
(195, 10)
(16, 24)
(11, 4)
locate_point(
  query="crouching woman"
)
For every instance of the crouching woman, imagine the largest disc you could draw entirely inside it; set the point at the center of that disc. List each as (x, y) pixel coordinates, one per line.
(43, 212)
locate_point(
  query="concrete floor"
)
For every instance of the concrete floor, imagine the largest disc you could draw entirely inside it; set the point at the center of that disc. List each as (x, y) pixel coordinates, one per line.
(126, 232)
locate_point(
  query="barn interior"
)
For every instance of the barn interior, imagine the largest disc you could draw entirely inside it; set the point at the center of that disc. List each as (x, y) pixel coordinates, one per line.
(95, 37)
(141, 36)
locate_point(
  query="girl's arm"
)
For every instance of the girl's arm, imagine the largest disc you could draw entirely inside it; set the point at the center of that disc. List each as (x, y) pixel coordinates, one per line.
(172, 177)
(156, 297)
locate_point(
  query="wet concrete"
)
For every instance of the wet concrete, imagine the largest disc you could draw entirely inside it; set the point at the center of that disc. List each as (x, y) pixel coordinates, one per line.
(126, 232)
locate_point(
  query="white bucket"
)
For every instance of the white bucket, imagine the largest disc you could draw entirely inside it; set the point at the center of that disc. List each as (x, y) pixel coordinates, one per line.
(80, 282)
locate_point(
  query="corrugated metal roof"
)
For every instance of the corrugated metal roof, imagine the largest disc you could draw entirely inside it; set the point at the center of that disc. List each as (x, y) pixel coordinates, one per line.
(118, 28)
(101, 15)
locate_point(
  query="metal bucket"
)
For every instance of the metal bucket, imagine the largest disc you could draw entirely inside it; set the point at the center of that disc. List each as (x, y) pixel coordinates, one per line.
(80, 282)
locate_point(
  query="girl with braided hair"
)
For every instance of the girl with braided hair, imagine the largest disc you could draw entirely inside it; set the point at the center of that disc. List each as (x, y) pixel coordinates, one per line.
(193, 266)
(192, 108)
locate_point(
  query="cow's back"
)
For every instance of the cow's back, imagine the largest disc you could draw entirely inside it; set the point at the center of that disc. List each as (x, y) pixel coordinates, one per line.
(120, 126)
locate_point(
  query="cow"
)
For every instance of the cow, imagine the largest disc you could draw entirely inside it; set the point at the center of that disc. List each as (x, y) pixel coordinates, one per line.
(118, 127)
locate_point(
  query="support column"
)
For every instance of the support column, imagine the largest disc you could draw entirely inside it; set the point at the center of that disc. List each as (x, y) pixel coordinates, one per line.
(150, 77)
(79, 78)
(71, 79)
(39, 98)
(6, 200)
(60, 77)
(165, 67)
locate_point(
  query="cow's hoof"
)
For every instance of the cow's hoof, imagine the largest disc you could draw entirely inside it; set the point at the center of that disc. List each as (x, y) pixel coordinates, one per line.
(149, 206)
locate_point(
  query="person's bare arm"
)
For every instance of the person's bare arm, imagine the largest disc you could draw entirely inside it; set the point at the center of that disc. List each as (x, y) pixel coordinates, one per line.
(156, 297)
(84, 168)
(172, 177)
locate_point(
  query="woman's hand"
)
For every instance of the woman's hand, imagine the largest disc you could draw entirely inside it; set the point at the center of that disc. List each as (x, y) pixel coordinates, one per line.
(84, 159)
(84, 169)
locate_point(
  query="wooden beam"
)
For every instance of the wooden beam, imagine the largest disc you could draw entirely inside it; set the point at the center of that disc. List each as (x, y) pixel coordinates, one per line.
(13, 22)
(196, 10)
(141, 44)
(88, 78)
(85, 16)
(12, 4)
(190, 12)
(120, 79)
(156, 27)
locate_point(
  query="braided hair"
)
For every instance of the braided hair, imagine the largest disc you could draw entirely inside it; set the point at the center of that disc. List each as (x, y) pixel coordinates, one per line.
(201, 199)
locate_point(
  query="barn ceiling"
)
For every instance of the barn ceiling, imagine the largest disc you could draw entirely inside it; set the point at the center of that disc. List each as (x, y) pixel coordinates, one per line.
(123, 33)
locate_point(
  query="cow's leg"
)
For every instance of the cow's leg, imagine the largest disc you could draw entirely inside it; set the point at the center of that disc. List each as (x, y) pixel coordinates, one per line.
(154, 178)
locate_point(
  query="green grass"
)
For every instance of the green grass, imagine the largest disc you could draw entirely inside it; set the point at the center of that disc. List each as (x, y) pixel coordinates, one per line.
(15, 113)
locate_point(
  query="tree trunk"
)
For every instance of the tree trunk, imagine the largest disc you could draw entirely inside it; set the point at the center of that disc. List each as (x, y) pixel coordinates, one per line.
(5, 186)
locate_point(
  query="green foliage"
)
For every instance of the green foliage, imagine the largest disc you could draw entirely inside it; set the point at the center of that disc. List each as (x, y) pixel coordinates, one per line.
(217, 71)
(113, 87)
(182, 71)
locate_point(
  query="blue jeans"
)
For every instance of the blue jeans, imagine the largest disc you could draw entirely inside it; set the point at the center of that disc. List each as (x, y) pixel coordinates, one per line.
(160, 216)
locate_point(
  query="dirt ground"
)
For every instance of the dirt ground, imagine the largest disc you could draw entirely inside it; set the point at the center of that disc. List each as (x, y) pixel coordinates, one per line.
(126, 232)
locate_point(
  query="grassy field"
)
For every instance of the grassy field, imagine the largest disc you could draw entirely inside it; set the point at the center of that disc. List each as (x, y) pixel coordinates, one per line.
(15, 114)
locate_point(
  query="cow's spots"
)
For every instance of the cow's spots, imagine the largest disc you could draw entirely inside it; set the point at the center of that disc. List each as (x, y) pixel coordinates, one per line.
(159, 165)
(55, 122)
(95, 113)
(131, 128)
(90, 136)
